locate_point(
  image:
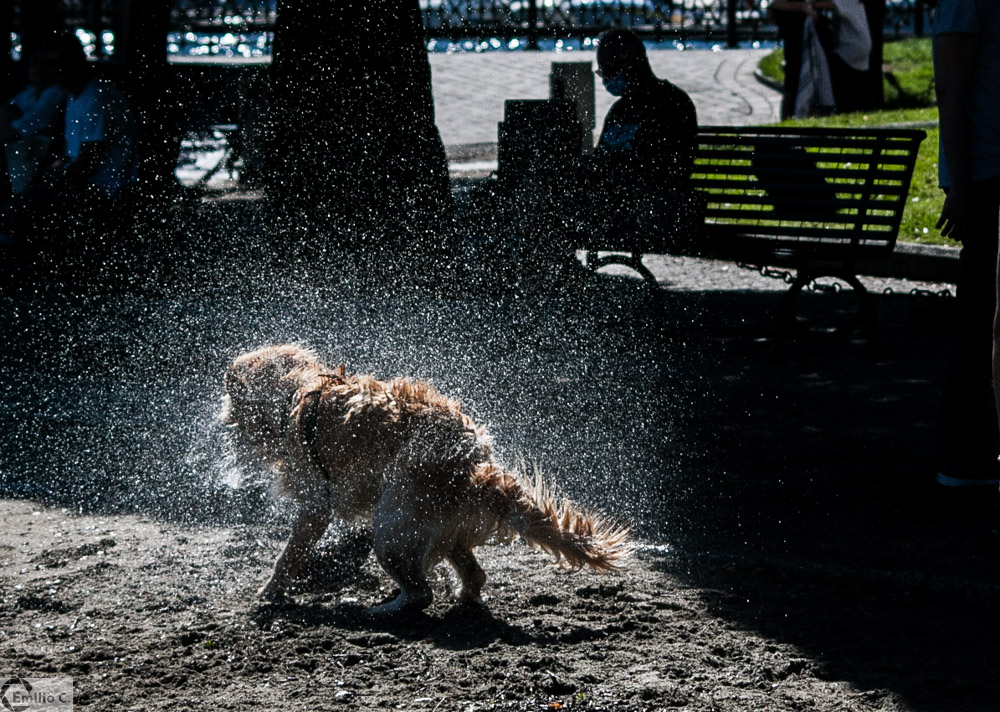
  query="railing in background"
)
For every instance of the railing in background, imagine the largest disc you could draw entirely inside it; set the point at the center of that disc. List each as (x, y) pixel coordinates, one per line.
(732, 20)
(723, 21)
(95, 14)
(224, 14)
(701, 19)
(908, 17)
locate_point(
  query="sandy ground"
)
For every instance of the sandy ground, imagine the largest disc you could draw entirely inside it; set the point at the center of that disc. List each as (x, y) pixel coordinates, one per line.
(150, 615)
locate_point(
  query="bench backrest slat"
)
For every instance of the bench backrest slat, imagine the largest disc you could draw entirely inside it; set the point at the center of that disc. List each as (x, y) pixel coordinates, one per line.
(833, 186)
(708, 171)
(885, 199)
(726, 152)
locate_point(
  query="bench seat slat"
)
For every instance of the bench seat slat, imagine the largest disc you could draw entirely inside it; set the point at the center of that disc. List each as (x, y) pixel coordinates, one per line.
(803, 219)
(748, 248)
(799, 234)
(793, 153)
(808, 135)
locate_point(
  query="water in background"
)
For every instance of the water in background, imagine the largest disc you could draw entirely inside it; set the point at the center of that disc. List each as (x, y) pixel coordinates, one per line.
(256, 46)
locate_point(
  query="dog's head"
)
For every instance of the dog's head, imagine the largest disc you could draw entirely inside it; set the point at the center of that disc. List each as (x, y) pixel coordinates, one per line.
(260, 386)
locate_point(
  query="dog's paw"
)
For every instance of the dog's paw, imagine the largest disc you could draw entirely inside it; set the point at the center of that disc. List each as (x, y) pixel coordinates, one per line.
(270, 593)
(471, 601)
(404, 604)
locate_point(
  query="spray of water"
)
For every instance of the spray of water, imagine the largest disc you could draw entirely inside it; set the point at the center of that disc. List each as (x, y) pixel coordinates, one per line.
(112, 394)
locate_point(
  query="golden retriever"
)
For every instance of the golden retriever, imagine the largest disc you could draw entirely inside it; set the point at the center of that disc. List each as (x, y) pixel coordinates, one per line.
(403, 455)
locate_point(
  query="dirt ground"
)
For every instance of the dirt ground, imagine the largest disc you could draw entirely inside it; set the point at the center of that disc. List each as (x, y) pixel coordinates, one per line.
(794, 553)
(147, 615)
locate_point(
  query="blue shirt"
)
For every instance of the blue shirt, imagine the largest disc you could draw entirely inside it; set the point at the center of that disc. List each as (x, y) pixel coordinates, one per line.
(101, 114)
(39, 108)
(982, 19)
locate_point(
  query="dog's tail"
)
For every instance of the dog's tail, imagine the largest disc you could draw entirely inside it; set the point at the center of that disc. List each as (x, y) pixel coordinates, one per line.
(532, 511)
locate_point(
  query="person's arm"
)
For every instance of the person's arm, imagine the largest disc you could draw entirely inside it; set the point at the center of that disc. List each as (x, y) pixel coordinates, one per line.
(41, 115)
(86, 163)
(71, 175)
(953, 70)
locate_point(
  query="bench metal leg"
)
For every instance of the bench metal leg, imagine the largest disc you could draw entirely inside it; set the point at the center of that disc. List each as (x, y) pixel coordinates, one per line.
(864, 315)
(630, 260)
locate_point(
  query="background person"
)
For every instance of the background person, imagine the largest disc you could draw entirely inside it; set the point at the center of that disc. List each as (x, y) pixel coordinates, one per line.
(640, 169)
(100, 130)
(645, 152)
(31, 122)
(841, 29)
(967, 82)
(81, 187)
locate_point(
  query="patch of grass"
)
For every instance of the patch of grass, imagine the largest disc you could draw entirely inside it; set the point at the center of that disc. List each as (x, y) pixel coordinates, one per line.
(924, 118)
(772, 66)
(908, 73)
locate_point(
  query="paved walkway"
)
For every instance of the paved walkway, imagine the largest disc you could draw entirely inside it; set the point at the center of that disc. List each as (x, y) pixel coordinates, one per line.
(470, 89)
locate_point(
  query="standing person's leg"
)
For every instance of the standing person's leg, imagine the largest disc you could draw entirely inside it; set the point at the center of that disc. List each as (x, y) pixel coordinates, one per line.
(996, 318)
(790, 29)
(848, 86)
(970, 430)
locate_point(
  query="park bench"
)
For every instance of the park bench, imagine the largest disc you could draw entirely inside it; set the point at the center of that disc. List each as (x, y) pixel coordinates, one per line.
(816, 201)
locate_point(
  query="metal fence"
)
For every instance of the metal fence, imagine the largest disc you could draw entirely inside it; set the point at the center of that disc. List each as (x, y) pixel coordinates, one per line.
(587, 18)
(702, 19)
(221, 14)
(729, 21)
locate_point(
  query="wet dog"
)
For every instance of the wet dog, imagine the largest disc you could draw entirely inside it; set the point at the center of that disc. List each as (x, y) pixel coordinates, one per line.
(403, 455)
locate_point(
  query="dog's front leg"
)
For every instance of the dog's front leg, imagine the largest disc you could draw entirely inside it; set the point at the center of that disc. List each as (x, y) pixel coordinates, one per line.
(310, 523)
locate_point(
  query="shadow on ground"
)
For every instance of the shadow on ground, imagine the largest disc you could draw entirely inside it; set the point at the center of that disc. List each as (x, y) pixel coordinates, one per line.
(813, 518)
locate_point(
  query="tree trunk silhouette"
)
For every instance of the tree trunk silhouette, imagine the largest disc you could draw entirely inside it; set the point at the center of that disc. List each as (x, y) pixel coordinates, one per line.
(7, 68)
(351, 146)
(152, 90)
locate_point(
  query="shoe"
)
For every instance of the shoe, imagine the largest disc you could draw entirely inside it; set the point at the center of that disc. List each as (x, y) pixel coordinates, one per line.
(947, 480)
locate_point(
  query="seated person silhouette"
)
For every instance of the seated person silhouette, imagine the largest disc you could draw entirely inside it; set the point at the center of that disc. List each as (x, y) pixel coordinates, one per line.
(31, 122)
(635, 187)
(80, 189)
(645, 153)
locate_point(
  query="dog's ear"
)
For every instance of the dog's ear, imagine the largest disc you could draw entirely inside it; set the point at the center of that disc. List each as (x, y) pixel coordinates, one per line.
(231, 380)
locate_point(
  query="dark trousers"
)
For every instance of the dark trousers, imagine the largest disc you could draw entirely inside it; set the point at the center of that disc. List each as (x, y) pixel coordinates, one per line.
(850, 90)
(790, 29)
(970, 432)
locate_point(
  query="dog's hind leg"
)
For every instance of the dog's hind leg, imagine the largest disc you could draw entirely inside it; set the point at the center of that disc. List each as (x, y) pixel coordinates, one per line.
(469, 572)
(403, 556)
(404, 546)
(310, 523)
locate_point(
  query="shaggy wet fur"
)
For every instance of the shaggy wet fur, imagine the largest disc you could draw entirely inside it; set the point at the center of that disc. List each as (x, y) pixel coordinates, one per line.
(403, 455)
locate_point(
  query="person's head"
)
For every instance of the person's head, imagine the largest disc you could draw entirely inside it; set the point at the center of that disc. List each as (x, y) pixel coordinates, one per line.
(42, 67)
(68, 59)
(622, 61)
